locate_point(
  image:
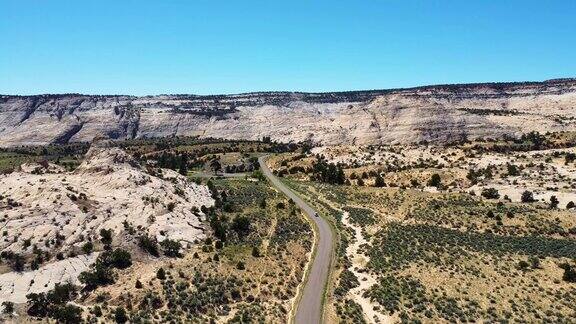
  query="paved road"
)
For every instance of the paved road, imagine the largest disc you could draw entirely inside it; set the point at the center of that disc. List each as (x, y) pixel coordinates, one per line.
(309, 309)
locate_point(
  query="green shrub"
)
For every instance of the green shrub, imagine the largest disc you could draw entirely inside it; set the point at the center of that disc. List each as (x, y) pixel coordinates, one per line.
(149, 244)
(241, 225)
(88, 247)
(490, 193)
(379, 181)
(54, 304)
(8, 307)
(527, 197)
(67, 314)
(171, 248)
(118, 258)
(569, 273)
(99, 275)
(120, 315)
(106, 236)
(171, 205)
(161, 274)
(512, 170)
(435, 181)
(554, 202)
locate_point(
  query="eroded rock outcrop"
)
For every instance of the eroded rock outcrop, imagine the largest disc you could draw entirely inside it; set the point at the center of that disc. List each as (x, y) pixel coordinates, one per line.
(45, 209)
(433, 113)
(14, 286)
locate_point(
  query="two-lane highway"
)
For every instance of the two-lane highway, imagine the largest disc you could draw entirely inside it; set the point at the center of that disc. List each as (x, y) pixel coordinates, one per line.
(309, 308)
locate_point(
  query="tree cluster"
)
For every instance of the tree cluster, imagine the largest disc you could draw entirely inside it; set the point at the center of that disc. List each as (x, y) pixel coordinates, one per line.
(102, 271)
(54, 304)
(327, 172)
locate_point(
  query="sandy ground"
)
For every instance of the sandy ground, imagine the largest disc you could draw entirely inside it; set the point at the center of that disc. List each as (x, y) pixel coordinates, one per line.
(359, 261)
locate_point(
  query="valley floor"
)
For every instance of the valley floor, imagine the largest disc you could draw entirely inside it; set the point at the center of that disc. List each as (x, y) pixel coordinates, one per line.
(189, 230)
(459, 250)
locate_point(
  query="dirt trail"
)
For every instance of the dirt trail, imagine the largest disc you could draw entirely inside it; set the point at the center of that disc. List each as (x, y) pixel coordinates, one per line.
(359, 261)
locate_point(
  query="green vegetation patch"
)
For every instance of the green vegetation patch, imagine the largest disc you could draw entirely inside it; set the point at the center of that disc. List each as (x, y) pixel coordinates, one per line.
(399, 245)
(350, 312)
(462, 211)
(360, 216)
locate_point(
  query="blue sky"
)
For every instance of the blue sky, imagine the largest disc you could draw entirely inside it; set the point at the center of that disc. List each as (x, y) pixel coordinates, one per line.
(206, 47)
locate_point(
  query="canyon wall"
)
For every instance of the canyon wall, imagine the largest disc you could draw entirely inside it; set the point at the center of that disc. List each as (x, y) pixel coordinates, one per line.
(438, 114)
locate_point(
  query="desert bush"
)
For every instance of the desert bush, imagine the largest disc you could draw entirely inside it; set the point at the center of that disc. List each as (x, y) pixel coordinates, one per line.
(171, 248)
(241, 225)
(106, 236)
(554, 202)
(117, 258)
(512, 170)
(54, 304)
(379, 181)
(435, 180)
(490, 193)
(360, 216)
(15, 260)
(348, 280)
(327, 172)
(101, 272)
(88, 247)
(170, 206)
(120, 315)
(67, 314)
(99, 275)
(149, 244)
(8, 307)
(161, 274)
(527, 197)
(569, 273)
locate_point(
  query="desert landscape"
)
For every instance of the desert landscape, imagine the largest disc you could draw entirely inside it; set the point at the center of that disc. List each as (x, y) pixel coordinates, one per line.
(118, 237)
(481, 230)
(477, 224)
(302, 162)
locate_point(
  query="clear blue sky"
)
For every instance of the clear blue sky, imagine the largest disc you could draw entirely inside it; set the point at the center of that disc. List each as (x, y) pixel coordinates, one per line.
(203, 47)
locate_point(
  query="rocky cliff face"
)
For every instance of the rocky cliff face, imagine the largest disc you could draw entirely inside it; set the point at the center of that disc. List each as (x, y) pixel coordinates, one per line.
(432, 113)
(49, 208)
(49, 214)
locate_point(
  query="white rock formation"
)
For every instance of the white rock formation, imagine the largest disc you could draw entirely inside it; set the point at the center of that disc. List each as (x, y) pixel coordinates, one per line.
(434, 113)
(14, 286)
(106, 190)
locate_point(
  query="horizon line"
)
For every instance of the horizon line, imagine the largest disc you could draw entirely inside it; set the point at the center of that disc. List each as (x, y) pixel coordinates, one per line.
(425, 86)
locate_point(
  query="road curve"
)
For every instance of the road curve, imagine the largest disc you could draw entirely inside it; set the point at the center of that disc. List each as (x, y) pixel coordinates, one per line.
(309, 308)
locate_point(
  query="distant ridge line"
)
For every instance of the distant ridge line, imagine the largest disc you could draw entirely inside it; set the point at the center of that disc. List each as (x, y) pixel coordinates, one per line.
(447, 86)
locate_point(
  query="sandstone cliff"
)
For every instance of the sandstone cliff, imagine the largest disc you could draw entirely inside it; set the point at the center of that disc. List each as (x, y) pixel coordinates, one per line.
(46, 207)
(433, 113)
(49, 214)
